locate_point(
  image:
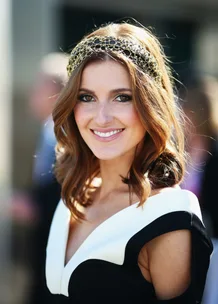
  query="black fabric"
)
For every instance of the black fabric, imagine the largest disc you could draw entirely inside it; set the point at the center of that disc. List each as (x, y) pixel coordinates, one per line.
(98, 281)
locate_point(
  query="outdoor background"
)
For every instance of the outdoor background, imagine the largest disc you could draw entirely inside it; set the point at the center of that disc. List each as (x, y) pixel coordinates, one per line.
(29, 29)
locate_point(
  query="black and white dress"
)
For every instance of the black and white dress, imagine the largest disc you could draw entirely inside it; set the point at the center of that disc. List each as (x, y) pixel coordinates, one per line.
(105, 267)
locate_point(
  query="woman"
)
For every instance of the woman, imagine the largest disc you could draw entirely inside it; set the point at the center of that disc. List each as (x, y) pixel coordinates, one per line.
(124, 231)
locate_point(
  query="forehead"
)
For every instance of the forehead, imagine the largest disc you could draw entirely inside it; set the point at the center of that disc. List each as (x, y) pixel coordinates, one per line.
(104, 73)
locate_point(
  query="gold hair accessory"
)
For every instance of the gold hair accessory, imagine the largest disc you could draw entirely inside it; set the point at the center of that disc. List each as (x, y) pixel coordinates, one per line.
(106, 44)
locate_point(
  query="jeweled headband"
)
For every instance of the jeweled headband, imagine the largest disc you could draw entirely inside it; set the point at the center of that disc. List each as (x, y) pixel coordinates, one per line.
(106, 44)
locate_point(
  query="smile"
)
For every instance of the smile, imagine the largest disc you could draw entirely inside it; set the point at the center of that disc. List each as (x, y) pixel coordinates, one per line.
(107, 134)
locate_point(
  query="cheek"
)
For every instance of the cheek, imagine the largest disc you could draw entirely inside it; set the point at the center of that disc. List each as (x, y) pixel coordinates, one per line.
(132, 118)
(139, 129)
(77, 115)
(80, 116)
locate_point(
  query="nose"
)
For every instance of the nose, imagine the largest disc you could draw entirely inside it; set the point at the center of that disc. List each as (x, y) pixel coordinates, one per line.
(103, 115)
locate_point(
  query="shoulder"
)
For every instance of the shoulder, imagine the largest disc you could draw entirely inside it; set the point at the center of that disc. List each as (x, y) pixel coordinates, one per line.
(174, 194)
(169, 202)
(168, 211)
(169, 257)
(179, 245)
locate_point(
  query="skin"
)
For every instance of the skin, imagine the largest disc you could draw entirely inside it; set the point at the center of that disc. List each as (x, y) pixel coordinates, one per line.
(110, 108)
(104, 104)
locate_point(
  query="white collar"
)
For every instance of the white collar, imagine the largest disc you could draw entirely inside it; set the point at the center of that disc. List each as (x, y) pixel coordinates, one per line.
(115, 231)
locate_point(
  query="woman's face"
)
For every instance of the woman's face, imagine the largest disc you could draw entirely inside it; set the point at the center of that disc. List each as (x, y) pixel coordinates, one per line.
(105, 114)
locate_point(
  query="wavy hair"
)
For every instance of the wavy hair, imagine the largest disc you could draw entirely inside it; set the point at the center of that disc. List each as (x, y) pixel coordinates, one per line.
(161, 159)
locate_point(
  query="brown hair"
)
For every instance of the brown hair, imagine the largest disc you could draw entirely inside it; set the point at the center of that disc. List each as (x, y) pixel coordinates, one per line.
(159, 163)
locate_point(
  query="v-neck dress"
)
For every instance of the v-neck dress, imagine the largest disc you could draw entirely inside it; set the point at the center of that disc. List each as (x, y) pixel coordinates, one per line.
(105, 268)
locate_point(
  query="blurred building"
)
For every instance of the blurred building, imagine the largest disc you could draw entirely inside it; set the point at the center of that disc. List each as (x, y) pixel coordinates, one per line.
(188, 30)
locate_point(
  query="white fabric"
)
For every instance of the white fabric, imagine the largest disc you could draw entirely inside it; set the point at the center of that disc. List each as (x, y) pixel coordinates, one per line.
(108, 241)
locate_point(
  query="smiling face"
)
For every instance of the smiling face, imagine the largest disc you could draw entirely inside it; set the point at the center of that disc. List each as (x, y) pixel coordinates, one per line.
(105, 114)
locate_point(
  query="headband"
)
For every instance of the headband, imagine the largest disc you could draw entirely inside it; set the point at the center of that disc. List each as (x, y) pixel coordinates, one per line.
(106, 44)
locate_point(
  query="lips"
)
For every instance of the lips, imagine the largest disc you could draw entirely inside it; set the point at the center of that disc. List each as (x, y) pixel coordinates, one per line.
(106, 134)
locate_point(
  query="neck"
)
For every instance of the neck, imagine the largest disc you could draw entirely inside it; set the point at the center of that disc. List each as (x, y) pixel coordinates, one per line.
(111, 173)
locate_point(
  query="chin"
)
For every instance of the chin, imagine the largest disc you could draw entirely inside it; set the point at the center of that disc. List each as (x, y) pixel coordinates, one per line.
(111, 156)
(106, 155)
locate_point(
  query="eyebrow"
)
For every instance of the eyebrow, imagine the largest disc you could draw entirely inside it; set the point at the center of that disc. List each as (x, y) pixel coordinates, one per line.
(112, 91)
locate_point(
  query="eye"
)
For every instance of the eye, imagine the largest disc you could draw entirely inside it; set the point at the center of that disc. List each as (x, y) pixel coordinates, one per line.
(85, 98)
(123, 98)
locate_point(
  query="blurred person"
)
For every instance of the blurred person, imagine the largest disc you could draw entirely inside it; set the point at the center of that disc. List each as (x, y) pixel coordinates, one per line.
(38, 204)
(210, 176)
(199, 131)
(200, 105)
(45, 194)
(48, 84)
(198, 102)
(208, 194)
(124, 231)
(210, 295)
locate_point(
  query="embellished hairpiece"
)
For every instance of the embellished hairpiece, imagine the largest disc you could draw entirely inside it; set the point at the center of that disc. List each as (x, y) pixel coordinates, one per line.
(106, 44)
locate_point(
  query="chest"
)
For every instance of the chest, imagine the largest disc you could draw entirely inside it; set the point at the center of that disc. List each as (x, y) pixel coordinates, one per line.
(79, 231)
(101, 282)
(114, 241)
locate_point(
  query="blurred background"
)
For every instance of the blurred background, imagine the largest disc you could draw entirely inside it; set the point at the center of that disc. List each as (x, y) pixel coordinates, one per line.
(31, 31)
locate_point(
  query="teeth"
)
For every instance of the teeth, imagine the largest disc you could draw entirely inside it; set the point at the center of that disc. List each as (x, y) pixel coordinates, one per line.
(107, 134)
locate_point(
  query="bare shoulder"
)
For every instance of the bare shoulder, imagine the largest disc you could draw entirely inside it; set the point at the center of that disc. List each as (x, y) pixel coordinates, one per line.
(168, 259)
